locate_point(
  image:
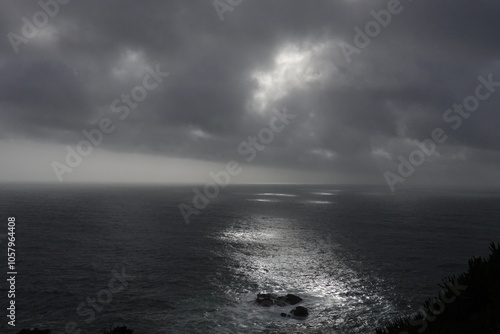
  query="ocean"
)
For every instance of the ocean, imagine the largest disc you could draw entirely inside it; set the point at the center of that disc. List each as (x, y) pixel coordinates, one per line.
(89, 257)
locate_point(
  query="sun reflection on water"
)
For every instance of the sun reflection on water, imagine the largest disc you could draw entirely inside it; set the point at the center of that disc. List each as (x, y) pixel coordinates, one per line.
(268, 255)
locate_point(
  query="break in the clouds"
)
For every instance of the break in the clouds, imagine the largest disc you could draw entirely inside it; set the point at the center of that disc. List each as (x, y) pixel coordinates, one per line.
(363, 93)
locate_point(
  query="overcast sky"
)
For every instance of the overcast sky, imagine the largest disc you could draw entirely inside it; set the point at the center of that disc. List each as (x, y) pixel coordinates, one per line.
(357, 106)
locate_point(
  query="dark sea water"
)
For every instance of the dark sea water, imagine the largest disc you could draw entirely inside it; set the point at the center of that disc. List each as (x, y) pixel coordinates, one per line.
(358, 256)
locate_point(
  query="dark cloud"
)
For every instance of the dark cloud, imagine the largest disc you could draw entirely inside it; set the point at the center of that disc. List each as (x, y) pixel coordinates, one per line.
(353, 119)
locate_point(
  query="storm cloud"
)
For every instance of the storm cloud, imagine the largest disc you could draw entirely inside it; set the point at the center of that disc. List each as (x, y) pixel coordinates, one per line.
(357, 112)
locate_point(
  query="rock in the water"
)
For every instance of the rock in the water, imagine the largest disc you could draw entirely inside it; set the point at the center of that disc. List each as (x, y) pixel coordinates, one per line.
(300, 312)
(270, 299)
(266, 302)
(292, 299)
(266, 299)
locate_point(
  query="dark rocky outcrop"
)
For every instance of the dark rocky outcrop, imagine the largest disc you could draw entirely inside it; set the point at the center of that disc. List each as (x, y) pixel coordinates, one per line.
(270, 299)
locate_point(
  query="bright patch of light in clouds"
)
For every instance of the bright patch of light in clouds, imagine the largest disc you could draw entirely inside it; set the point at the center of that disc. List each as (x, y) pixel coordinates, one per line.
(294, 68)
(131, 64)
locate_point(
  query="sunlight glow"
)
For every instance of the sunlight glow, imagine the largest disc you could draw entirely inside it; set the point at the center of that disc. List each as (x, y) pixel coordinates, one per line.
(294, 68)
(131, 65)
